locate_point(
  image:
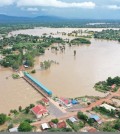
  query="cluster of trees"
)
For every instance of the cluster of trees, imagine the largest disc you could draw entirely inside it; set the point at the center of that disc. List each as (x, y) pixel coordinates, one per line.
(25, 127)
(106, 85)
(116, 80)
(55, 121)
(26, 110)
(3, 118)
(104, 111)
(78, 41)
(47, 64)
(82, 116)
(24, 48)
(113, 126)
(75, 126)
(108, 34)
(6, 28)
(85, 118)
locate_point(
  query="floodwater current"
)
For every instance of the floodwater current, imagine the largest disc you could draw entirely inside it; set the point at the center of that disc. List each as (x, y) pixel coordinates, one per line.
(74, 76)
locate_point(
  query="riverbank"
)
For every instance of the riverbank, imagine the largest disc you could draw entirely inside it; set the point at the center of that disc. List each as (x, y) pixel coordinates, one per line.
(15, 93)
(74, 76)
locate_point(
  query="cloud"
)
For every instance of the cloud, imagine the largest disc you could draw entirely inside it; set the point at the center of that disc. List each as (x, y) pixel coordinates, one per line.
(32, 9)
(44, 9)
(114, 7)
(55, 3)
(6, 2)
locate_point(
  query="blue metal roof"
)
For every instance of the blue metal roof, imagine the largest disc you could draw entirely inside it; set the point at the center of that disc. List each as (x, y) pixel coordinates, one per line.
(95, 117)
(38, 83)
(74, 102)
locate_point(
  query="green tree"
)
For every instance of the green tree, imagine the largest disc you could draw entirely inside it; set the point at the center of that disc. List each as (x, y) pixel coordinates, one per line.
(2, 119)
(90, 121)
(55, 121)
(82, 116)
(27, 110)
(31, 106)
(117, 125)
(25, 127)
(81, 124)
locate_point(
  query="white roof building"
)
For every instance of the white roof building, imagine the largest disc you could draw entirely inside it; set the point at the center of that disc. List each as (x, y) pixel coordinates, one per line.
(15, 129)
(108, 107)
(72, 119)
(45, 126)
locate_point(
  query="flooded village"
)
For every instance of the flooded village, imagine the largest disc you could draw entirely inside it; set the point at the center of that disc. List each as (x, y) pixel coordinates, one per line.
(63, 96)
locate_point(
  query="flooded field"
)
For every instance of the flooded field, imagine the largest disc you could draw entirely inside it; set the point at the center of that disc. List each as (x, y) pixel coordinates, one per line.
(74, 76)
(15, 93)
(56, 31)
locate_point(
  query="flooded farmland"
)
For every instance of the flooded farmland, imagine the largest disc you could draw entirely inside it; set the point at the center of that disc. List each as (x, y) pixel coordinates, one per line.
(74, 76)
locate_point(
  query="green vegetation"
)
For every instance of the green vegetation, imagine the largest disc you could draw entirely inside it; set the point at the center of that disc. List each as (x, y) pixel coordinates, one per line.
(106, 85)
(25, 127)
(112, 126)
(75, 126)
(60, 130)
(33, 71)
(78, 41)
(47, 64)
(22, 49)
(104, 111)
(15, 76)
(6, 28)
(108, 34)
(55, 121)
(3, 118)
(82, 116)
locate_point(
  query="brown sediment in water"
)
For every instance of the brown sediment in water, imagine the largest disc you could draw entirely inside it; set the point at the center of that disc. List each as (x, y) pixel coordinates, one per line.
(15, 93)
(74, 76)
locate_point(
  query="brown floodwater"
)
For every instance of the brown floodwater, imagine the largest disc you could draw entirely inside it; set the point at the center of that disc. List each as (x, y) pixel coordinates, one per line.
(76, 76)
(15, 93)
(72, 77)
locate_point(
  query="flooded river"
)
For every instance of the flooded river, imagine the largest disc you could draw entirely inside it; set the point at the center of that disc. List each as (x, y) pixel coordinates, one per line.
(15, 93)
(76, 76)
(72, 77)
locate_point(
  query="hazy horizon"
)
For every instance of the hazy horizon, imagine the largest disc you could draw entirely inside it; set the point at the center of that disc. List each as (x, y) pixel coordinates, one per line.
(79, 9)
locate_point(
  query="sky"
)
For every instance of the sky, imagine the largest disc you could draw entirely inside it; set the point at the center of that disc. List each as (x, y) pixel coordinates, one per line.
(82, 9)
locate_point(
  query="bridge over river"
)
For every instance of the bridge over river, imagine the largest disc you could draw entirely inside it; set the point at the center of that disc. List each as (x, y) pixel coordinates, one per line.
(37, 85)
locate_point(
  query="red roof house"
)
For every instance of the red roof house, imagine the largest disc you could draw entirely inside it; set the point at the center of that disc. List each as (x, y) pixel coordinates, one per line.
(65, 102)
(39, 111)
(61, 124)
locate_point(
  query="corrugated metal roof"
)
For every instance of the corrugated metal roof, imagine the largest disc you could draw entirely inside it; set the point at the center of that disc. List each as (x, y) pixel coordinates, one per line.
(72, 119)
(38, 83)
(95, 117)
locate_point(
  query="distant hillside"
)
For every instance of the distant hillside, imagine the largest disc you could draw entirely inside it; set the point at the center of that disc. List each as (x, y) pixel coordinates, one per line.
(14, 19)
(53, 21)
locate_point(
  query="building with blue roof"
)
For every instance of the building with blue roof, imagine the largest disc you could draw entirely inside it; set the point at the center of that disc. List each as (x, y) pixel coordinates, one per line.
(38, 83)
(96, 118)
(74, 102)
